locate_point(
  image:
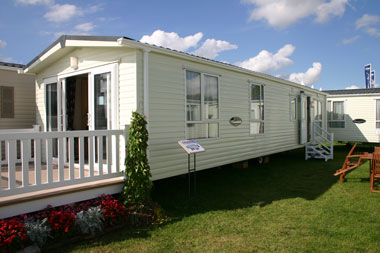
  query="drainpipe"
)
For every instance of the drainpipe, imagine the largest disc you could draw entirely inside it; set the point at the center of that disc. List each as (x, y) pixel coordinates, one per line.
(146, 83)
(146, 92)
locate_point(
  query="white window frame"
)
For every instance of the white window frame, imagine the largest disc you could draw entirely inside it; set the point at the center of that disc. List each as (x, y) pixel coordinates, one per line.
(291, 98)
(330, 117)
(112, 68)
(376, 120)
(204, 121)
(250, 109)
(46, 82)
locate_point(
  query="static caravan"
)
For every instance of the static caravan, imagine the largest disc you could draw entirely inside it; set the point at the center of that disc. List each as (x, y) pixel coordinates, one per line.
(95, 83)
(354, 114)
(87, 88)
(17, 98)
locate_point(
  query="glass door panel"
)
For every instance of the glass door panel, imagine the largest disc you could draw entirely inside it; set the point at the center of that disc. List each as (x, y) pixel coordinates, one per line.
(101, 103)
(102, 107)
(52, 112)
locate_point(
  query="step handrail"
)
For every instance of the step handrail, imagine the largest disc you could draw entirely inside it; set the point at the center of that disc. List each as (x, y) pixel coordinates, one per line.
(317, 135)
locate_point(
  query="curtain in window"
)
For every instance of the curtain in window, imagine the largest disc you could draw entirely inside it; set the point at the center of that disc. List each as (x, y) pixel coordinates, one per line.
(211, 97)
(377, 113)
(193, 96)
(338, 110)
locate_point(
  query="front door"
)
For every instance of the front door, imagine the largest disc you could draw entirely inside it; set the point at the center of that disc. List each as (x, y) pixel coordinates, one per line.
(84, 100)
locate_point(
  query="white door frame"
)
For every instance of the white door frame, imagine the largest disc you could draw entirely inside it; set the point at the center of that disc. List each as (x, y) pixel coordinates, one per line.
(112, 99)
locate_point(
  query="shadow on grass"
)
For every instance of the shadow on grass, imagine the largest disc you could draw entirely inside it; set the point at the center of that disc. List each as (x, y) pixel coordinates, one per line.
(286, 176)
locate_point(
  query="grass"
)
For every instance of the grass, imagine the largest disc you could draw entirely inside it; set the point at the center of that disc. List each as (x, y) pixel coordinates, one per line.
(288, 205)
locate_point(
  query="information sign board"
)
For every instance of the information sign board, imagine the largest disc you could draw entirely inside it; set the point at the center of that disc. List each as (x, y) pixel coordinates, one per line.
(191, 146)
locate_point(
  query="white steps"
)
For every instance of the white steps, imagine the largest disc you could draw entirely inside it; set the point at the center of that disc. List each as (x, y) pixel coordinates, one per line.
(321, 146)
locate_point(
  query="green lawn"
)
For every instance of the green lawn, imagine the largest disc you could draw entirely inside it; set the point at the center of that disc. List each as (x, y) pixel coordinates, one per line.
(288, 205)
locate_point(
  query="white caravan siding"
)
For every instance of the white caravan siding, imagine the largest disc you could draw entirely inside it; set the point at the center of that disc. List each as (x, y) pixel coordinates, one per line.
(167, 123)
(24, 100)
(167, 117)
(357, 107)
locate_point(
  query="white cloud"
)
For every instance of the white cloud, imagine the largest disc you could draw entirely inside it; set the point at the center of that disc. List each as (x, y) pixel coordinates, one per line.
(283, 13)
(373, 31)
(309, 77)
(367, 20)
(329, 9)
(352, 87)
(85, 27)
(34, 2)
(60, 13)
(3, 44)
(350, 40)
(267, 62)
(211, 48)
(172, 40)
(367, 23)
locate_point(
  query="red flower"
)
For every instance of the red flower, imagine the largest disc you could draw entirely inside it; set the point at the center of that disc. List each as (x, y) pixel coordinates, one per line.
(113, 212)
(12, 235)
(61, 222)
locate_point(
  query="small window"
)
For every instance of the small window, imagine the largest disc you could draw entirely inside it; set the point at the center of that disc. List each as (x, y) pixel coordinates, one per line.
(257, 109)
(202, 105)
(293, 108)
(318, 112)
(336, 115)
(377, 113)
(7, 102)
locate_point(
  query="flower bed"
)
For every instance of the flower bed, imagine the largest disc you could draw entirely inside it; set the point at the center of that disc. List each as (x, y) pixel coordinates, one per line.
(87, 217)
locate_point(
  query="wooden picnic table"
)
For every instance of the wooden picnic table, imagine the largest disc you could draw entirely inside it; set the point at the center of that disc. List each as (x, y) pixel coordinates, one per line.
(348, 165)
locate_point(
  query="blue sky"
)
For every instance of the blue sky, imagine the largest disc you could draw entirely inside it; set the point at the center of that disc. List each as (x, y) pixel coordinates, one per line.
(324, 43)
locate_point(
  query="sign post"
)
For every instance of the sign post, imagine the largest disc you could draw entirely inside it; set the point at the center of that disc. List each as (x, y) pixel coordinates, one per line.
(192, 147)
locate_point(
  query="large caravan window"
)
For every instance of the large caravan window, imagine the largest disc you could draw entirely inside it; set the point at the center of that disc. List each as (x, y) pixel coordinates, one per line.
(202, 105)
(7, 107)
(377, 113)
(336, 116)
(257, 109)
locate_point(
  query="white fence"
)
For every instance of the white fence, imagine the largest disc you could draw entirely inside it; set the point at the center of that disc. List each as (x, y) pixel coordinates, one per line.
(4, 151)
(55, 159)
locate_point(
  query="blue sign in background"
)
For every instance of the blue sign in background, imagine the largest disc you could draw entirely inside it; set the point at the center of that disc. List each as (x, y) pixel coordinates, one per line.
(367, 73)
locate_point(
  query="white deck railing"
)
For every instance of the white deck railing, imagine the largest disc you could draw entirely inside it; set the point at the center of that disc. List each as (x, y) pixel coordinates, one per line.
(4, 151)
(59, 159)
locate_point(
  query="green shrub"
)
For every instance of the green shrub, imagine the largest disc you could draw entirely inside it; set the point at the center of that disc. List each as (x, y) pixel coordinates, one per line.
(137, 185)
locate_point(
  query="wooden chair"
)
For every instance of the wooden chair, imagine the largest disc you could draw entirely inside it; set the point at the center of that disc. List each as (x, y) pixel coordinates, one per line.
(375, 173)
(349, 164)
